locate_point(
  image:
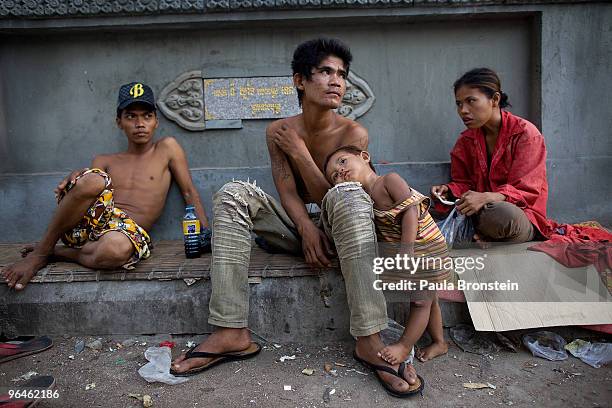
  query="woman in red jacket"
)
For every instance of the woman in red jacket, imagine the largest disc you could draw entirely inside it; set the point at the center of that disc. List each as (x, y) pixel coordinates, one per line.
(498, 165)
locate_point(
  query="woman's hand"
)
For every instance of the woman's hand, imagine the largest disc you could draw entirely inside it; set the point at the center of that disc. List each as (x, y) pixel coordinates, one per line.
(471, 202)
(441, 190)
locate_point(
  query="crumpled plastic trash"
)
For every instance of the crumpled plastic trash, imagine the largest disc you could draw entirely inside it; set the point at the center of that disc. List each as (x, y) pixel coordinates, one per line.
(594, 354)
(546, 344)
(471, 341)
(158, 367)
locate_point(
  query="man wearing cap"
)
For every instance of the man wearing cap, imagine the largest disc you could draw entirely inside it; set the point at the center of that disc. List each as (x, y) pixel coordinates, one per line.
(104, 212)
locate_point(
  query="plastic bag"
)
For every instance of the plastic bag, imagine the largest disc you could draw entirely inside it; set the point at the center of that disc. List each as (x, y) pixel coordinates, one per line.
(458, 230)
(158, 367)
(546, 344)
(392, 335)
(594, 354)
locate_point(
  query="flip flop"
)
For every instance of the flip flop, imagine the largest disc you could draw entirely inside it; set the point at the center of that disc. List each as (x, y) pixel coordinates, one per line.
(36, 384)
(414, 389)
(12, 350)
(218, 358)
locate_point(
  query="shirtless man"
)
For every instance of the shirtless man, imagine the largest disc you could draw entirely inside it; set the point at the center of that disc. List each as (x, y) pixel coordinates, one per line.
(104, 222)
(298, 147)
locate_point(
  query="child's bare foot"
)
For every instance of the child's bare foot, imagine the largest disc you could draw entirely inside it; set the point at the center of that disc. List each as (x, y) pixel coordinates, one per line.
(395, 353)
(432, 351)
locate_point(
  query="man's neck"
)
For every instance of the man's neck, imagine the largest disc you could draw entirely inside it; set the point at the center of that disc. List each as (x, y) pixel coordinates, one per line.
(139, 149)
(317, 120)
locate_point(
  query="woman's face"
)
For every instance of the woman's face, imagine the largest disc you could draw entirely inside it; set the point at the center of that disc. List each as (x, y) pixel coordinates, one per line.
(344, 166)
(474, 107)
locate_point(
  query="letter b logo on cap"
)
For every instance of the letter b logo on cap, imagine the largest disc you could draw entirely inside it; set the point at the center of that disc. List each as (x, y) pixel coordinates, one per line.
(136, 91)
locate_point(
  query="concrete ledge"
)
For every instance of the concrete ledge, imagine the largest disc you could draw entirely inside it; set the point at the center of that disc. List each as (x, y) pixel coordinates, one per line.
(281, 309)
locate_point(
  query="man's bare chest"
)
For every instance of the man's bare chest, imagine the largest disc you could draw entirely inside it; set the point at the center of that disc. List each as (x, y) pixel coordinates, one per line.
(137, 174)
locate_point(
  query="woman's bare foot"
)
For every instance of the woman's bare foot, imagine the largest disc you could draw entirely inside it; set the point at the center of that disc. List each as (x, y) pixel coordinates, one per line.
(432, 351)
(395, 353)
(18, 275)
(223, 340)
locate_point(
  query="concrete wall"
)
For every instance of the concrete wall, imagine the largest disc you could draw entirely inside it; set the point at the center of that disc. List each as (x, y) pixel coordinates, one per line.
(58, 92)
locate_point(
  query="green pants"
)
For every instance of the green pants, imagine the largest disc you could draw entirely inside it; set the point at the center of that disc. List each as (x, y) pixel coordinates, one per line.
(240, 208)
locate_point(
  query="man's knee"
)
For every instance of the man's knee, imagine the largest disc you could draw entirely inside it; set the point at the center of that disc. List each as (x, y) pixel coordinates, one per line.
(113, 250)
(238, 192)
(345, 192)
(89, 186)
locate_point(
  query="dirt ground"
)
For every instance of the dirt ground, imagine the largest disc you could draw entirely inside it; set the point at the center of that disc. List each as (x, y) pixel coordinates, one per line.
(519, 378)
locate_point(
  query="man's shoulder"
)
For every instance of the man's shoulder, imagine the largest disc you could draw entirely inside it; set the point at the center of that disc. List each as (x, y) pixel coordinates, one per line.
(352, 133)
(290, 121)
(167, 141)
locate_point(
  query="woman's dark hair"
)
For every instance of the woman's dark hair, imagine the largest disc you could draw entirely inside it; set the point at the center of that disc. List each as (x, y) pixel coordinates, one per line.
(309, 54)
(354, 150)
(486, 80)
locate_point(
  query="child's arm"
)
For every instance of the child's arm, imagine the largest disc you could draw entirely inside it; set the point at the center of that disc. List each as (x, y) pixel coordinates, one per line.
(398, 190)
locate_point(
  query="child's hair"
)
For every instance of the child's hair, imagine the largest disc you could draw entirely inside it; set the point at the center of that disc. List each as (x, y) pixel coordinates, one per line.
(349, 149)
(309, 54)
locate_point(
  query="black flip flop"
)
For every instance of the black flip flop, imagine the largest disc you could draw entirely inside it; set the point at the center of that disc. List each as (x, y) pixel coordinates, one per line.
(219, 358)
(37, 385)
(12, 350)
(399, 373)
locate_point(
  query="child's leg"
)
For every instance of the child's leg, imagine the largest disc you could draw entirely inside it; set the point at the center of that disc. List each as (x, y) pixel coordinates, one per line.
(438, 345)
(415, 327)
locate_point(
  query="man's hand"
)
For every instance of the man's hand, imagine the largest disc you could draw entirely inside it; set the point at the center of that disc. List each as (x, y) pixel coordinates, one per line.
(471, 202)
(441, 190)
(316, 246)
(289, 142)
(69, 179)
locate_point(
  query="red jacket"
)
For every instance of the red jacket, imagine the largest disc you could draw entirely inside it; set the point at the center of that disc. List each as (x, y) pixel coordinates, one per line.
(518, 167)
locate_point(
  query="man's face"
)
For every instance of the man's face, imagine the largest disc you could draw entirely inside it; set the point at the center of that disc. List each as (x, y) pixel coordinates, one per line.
(327, 84)
(138, 123)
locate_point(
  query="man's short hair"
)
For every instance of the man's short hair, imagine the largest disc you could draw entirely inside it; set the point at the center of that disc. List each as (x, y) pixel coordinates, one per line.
(309, 54)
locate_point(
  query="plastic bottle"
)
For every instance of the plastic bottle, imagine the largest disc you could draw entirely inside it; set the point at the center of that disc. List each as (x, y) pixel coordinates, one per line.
(191, 233)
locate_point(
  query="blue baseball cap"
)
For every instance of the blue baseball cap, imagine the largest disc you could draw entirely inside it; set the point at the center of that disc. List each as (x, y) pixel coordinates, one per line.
(135, 92)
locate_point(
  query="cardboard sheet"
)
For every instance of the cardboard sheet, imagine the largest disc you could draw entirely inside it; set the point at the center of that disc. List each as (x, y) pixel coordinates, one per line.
(548, 293)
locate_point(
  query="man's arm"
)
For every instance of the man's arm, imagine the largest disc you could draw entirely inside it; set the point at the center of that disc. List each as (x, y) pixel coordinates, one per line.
(314, 242)
(99, 162)
(180, 171)
(290, 143)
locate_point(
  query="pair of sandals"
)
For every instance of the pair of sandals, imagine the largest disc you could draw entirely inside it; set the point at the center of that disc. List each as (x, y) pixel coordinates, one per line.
(21, 348)
(255, 348)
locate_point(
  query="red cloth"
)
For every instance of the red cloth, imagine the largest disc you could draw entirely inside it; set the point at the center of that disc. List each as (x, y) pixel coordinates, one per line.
(578, 245)
(518, 168)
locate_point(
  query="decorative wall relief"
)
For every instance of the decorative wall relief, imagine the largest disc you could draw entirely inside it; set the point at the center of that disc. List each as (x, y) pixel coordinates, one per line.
(196, 103)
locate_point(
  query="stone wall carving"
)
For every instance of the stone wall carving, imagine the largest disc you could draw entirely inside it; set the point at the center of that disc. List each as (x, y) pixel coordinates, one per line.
(182, 100)
(90, 8)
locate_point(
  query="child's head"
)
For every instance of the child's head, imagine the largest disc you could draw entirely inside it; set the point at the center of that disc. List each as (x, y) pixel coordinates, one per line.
(348, 163)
